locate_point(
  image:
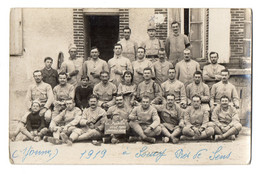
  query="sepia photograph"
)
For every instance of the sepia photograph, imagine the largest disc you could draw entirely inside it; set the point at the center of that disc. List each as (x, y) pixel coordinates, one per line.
(130, 86)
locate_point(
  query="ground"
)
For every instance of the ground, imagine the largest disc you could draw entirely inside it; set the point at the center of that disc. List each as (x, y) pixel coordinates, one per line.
(192, 152)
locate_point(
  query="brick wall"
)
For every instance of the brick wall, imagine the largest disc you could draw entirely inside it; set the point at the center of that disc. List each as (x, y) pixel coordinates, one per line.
(161, 30)
(78, 30)
(123, 20)
(236, 36)
(207, 35)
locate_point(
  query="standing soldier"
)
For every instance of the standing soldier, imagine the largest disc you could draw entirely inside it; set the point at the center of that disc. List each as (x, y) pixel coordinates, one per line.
(62, 92)
(171, 119)
(49, 75)
(140, 64)
(186, 68)
(175, 87)
(175, 44)
(196, 120)
(117, 65)
(129, 46)
(212, 72)
(152, 45)
(73, 66)
(198, 88)
(105, 91)
(161, 67)
(94, 66)
(224, 87)
(144, 120)
(226, 120)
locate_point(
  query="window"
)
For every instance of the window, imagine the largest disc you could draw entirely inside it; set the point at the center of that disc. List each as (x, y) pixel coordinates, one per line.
(247, 33)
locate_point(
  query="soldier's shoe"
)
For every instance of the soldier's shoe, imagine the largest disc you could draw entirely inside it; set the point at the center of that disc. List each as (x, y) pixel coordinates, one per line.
(96, 143)
(183, 137)
(165, 139)
(106, 140)
(54, 140)
(66, 139)
(12, 137)
(149, 140)
(114, 140)
(26, 139)
(37, 139)
(232, 137)
(133, 139)
(219, 137)
(175, 140)
(45, 138)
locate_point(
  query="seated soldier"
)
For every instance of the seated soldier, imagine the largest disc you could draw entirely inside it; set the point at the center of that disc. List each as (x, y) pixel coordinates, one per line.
(196, 120)
(144, 120)
(82, 93)
(62, 92)
(198, 88)
(64, 123)
(105, 91)
(172, 119)
(92, 123)
(119, 112)
(175, 87)
(149, 88)
(226, 120)
(34, 128)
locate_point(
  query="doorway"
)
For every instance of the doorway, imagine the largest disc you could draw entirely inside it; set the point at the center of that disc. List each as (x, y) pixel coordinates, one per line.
(101, 31)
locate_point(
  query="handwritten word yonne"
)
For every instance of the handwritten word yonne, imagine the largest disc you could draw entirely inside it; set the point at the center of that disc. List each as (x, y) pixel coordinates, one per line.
(31, 152)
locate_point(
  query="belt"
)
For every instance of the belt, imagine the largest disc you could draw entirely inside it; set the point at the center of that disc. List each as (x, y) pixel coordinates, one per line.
(152, 56)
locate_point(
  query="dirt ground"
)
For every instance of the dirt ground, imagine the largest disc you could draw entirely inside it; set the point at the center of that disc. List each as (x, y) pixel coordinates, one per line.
(192, 152)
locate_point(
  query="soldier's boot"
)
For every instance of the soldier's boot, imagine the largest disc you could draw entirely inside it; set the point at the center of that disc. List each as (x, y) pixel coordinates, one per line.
(149, 139)
(231, 131)
(66, 139)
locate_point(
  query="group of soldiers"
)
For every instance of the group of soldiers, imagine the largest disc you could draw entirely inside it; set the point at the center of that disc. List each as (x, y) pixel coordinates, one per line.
(154, 90)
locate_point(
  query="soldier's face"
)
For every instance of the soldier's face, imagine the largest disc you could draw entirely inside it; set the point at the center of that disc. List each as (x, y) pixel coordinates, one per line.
(73, 53)
(171, 74)
(117, 50)
(187, 55)
(170, 100)
(147, 74)
(224, 76)
(127, 34)
(48, 63)
(161, 55)
(140, 53)
(196, 102)
(175, 28)
(35, 107)
(94, 53)
(151, 33)
(197, 78)
(145, 103)
(69, 104)
(93, 103)
(104, 77)
(62, 79)
(224, 102)
(128, 78)
(119, 101)
(37, 77)
(214, 58)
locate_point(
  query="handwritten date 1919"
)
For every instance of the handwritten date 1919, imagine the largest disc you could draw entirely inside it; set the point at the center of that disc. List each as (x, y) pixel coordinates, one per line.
(91, 154)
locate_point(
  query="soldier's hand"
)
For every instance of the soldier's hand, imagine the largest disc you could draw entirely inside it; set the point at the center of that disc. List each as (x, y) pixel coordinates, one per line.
(148, 130)
(181, 124)
(183, 105)
(73, 73)
(43, 110)
(196, 131)
(91, 126)
(225, 129)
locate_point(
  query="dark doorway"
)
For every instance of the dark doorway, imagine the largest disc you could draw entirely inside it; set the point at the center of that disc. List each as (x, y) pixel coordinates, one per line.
(186, 21)
(102, 32)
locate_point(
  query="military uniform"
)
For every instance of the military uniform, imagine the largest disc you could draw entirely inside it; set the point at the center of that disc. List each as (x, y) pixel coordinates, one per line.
(145, 118)
(139, 65)
(219, 89)
(177, 88)
(152, 46)
(129, 92)
(50, 76)
(174, 46)
(129, 49)
(91, 66)
(121, 64)
(210, 71)
(161, 70)
(185, 71)
(202, 90)
(105, 93)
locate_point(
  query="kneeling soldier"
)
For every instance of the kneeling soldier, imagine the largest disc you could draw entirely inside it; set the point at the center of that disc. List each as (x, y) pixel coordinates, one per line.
(92, 122)
(197, 124)
(226, 120)
(172, 119)
(145, 121)
(64, 123)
